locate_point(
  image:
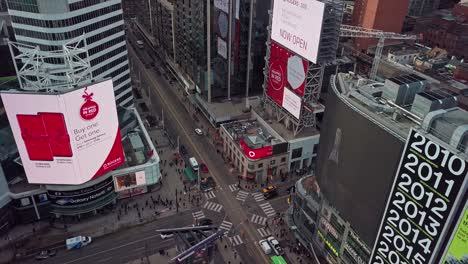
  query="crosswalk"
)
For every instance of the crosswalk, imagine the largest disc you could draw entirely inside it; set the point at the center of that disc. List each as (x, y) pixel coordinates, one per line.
(233, 187)
(210, 195)
(213, 206)
(264, 232)
(236, 240)
(267, 209)
(256, 219)
(242, 196)
(258, 197)
(198, 215)
(226, 226)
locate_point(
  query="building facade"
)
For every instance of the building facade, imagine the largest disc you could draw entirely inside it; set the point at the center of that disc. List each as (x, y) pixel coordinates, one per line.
(422, 7)
(385, 15)
(50, 24)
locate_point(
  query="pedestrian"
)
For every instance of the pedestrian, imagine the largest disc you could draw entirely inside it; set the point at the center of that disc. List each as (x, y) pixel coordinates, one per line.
(225, 246)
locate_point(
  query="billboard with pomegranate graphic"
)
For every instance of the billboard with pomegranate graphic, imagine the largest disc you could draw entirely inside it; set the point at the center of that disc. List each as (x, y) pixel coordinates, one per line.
(286, 70)
(67, 138)
(255, 154)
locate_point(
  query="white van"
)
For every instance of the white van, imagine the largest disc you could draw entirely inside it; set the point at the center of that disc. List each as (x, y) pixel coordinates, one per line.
(193, 163)
(265, 246)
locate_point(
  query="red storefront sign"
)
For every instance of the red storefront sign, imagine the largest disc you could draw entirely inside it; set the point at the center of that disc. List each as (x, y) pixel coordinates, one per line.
(255, 154)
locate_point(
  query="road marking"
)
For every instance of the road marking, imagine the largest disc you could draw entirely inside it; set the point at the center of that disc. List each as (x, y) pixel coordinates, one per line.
(210, 195)
(233, 187)
(198, 215)
(138, 249)
(111, 249)
(258, 197)
(256, 219)
(267, 209)
(225, 225)
(236, 240)
(213, 206)
(264, 232)
(105, 259)
(242, 196)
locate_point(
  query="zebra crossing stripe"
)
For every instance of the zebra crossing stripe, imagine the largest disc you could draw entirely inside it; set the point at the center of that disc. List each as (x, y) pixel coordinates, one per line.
(258, 197)
(242, 196)
(210, 195)
(256, 219)
(225, 225)
(213, 206)
(198, 215)
(233, 187)
(267, 209)
(263, 232)
(236, 240)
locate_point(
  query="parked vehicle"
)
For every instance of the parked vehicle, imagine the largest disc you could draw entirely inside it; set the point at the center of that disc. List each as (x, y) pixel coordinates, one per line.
(275, 245)
(205, 222)
(193, 163)
(265, 246)
(183, 150)
(270, 191)
(140, 44)
(78, 242)
(45, 254)
(198, 131)
(207, 184)
(204, 168)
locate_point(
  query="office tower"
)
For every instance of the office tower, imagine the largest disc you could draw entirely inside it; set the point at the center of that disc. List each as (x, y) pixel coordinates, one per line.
(386, 15)
(422, 7)
(50, 24)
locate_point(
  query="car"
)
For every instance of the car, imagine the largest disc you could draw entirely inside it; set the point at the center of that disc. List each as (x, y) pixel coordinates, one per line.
(204, 168)
(276, 246)
(198, 131)
(166, 236)
(207, 184)
(270, 191)
(205, 222)
(45, 254)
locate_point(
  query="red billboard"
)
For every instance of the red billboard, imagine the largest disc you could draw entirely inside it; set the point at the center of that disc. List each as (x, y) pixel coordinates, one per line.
(67, 138)
(286, 70)
(255, 154)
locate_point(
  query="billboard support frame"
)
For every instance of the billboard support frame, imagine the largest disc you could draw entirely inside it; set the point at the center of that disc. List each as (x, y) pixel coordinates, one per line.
(329, 40)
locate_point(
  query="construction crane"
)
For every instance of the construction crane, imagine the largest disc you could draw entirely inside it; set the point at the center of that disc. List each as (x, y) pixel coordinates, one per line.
(360, 32)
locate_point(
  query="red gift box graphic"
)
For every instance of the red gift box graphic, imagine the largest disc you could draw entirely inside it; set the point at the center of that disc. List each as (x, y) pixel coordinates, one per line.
(58, 137)
(45, 136)
(35, 137)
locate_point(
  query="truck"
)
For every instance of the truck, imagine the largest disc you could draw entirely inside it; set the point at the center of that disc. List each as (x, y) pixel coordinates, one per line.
(78, 242)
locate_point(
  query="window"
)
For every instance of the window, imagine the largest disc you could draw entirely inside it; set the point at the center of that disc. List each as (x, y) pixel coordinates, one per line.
(250, 166)
(315, 148)
(296, 153)
(272, 162)
(283, 159)
(260, 165)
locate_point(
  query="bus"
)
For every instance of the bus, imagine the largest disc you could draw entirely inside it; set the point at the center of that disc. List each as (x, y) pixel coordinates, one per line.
(278, 260)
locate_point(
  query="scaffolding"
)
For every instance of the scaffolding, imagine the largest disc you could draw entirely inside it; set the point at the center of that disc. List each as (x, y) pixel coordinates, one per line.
(329, 40)
(52, 71)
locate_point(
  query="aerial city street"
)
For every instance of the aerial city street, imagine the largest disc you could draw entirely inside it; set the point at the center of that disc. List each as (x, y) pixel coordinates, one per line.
(234, 131)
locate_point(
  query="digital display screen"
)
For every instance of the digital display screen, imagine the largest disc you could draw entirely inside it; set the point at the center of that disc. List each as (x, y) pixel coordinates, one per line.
(424, 192)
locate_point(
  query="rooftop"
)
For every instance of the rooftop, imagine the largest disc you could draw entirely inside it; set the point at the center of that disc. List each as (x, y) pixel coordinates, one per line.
(254, 134)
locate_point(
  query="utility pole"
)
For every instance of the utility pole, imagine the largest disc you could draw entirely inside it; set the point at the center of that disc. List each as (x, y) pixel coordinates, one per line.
(176, 201)
(162, 117)
(178, 144)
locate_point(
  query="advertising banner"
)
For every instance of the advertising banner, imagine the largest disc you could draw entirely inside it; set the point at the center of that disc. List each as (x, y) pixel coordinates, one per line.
(223, 25)
(458, 248)
(129, 181)
(297, 25)
(286, 70)
(67, 138)
(222, 48)
(255, 154)
(81, 196)
(222, 5)
(292, 103)
(426, 187)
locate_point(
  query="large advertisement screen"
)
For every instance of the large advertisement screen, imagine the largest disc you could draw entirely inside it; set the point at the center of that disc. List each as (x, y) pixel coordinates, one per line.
(458, 248)
(297, 25)
(81, 196)
(425, 190)
(286, 71)
(255, 154)
(129, 181)
(67, 138)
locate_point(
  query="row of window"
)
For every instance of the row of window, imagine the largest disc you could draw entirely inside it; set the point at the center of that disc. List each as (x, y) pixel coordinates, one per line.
(84, 4)
(105, 45)
(65, 22)
(22, 5)
(104, 34)
(67, 35)
(125, 96)
(121, 80)
(118, 71)
(109, 65)
(108, 55)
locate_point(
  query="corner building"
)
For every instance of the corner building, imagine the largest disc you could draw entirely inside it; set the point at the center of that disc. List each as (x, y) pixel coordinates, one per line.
(50, 24)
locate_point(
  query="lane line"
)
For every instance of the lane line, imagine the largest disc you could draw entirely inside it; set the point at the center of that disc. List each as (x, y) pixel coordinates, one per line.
(104, 259)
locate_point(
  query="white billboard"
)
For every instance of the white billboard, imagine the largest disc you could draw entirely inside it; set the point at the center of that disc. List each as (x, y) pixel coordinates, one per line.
(222, 48)
(292, 102)
(67, 138)
(297, 25)
(129, 181)
(222, 5)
